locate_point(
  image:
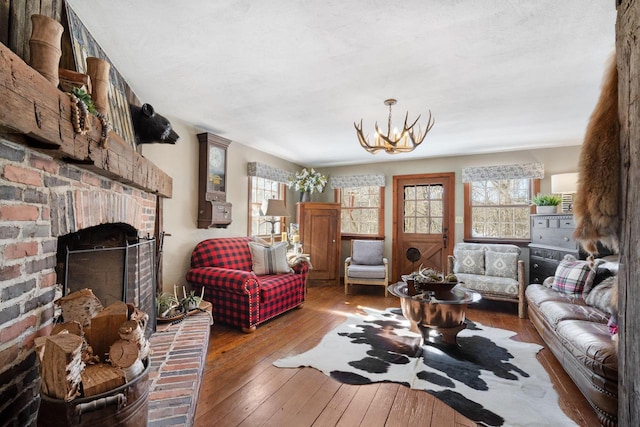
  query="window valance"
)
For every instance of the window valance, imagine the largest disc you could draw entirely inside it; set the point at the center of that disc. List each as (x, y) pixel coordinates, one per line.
(268, 172)
(520, 171)
(346, 181)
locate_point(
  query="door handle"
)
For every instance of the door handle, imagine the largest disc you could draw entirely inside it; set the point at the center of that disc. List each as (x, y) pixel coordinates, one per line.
(444, 238)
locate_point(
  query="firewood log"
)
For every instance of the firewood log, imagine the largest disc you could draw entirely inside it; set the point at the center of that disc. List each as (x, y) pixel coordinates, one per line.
(80, 306)
(132, 331)
(100, 378)
(61, 366)
(73, 327)
(123, 354)
(104, 328)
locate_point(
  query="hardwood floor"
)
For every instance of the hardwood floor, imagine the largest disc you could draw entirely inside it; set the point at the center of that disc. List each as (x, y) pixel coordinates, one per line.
(241, 387)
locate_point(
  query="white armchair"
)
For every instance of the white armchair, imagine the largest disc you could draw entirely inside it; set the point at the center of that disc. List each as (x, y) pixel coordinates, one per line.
(366, 265)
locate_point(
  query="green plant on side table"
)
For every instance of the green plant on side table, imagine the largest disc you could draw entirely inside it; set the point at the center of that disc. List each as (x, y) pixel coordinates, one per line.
(546, 203)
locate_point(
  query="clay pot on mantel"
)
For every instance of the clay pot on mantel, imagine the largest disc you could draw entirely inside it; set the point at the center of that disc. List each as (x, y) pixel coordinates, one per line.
(98, 71)
(44, 45)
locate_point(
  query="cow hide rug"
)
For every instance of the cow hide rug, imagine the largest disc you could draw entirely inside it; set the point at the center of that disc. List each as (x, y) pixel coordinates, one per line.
(489, 378)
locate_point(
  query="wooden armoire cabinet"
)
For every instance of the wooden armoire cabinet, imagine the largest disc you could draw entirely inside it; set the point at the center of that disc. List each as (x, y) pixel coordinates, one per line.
(320, 237)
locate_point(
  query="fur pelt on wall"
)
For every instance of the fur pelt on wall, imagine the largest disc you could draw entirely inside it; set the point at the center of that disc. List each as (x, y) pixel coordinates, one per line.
(595, 206)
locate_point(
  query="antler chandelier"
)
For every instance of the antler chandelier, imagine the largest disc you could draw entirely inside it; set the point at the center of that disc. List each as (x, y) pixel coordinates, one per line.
(398, 142)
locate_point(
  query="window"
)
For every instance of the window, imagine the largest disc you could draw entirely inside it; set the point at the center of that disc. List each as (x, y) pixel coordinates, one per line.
(498, 209)
(362, 211)
(261, 189)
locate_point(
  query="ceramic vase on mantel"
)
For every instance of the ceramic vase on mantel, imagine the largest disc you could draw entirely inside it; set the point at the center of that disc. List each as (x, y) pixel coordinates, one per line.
(98, 71)
(44, 46)
(305, 196)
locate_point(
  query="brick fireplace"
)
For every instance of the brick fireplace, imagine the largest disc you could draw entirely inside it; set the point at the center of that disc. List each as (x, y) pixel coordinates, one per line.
(42, 199)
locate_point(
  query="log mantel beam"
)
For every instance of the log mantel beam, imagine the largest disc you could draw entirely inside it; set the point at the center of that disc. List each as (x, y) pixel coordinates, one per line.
(38, 115)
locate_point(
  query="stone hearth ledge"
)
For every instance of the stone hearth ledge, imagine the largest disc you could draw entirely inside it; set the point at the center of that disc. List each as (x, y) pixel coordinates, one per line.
(177, 363)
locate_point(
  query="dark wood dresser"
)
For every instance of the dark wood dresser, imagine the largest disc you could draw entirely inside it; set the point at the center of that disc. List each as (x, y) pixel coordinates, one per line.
(551, 240)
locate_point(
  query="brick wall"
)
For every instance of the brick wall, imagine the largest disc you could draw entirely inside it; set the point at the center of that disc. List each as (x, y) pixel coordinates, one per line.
(42, 198)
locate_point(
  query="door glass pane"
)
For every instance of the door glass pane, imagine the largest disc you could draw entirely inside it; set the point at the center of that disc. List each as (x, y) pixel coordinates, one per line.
(409, 225)
(436, 208)
(436, 191)
(422, 192)
(409, 193)
(422, 225)
(424, 209)
(436, 225)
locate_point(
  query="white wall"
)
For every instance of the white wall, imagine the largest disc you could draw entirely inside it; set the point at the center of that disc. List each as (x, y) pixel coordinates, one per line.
(180, 161)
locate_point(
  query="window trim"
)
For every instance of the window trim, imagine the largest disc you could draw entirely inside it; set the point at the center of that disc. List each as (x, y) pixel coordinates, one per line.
(535, 189)
(283, 221)
(350, 236)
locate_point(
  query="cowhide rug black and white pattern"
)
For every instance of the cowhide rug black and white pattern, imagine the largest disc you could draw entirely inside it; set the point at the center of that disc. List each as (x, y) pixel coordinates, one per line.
(489, 378)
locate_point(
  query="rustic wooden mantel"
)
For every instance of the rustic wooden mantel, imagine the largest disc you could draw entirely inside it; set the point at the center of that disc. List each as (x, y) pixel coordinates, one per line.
(38, 115)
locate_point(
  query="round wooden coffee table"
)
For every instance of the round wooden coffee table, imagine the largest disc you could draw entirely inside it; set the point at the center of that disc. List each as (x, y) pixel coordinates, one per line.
(437, 319)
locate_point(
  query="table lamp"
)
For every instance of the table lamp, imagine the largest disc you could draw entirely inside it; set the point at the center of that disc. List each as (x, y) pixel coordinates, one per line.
(565, 184)
(273, 208)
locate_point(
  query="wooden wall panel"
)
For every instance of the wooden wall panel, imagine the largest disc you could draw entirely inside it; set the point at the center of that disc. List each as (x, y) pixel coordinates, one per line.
(628, 59)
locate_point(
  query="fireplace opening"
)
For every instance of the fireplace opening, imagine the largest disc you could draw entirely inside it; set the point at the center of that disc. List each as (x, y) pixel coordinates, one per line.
(113, 262)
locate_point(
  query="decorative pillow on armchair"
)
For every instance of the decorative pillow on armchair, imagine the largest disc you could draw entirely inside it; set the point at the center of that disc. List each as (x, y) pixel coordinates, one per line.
(502, 264)
(367, 252)
(572, 276)
(269, 259)
(468, 261)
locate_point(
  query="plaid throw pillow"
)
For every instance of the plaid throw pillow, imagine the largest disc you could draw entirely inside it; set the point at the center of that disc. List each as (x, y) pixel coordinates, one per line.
(573, 276)
(269, 259)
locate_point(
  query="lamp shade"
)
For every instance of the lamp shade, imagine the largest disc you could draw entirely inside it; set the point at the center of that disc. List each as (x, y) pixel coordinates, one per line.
(564, 183)
(273, 207)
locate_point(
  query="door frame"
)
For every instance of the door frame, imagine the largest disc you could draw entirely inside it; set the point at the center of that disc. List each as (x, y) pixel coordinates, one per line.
(451, 176)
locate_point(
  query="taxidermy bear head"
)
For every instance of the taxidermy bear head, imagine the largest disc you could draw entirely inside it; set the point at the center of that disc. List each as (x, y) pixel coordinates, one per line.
(151, 127)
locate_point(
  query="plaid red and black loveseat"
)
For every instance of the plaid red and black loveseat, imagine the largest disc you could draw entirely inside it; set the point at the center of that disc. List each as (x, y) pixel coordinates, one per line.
(239, 297)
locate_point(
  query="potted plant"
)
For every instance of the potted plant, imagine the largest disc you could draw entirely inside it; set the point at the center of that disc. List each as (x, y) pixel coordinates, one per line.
(190, 302)
(166, 303)
(308, 181)
(546, 203)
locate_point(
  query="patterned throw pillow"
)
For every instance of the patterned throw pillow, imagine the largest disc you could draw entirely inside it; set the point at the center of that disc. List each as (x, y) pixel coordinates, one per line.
(502, 264)
(573, 276)
(269, 259)
(468, 261)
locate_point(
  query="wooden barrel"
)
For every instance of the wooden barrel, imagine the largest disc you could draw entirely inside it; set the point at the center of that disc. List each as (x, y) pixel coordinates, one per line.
(126, 405)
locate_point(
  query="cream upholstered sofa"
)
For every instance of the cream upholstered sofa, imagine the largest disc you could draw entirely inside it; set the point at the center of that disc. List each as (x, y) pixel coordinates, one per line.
(493, 270)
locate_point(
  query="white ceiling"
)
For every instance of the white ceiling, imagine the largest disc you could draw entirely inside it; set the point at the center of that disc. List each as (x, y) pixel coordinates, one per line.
(290, 77)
